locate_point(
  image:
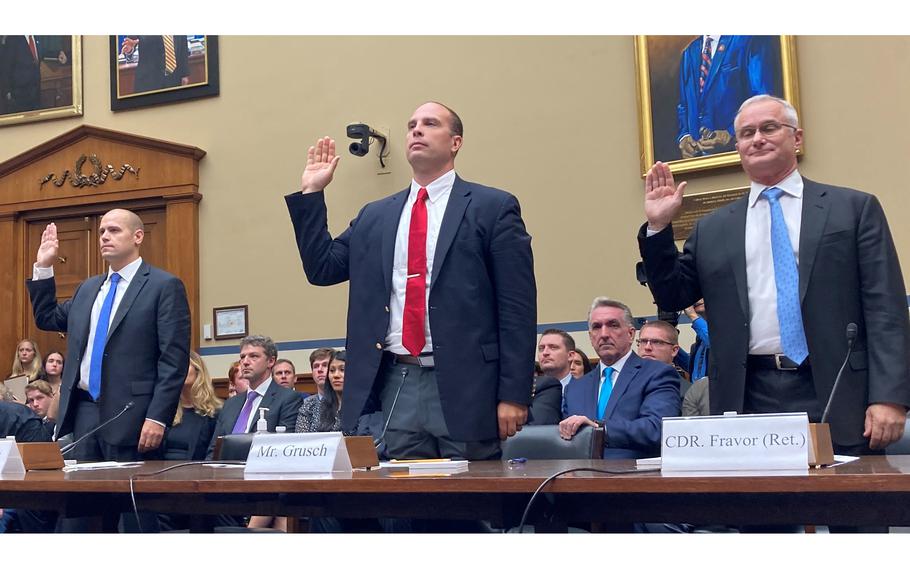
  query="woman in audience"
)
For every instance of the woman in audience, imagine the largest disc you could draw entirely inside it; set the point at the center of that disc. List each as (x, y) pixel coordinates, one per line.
(236, 383)
(325, 416)
(53, 369)
(197, 412)
(27, 360)
(579, 364)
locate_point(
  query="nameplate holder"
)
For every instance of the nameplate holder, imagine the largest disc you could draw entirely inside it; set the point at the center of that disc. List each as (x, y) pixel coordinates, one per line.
(41, 455)
(315, 452)
(743, 442)
(10, 459)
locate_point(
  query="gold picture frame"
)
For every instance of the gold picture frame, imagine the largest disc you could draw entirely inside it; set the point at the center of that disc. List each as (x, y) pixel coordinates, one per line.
(53, 90)
(664, 109)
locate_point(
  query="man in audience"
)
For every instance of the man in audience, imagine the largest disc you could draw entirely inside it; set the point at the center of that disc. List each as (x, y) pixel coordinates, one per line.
(319, 365)
(553, 355)
(240, 413)
(284, 373)
(40, 397)
(442, 298)
(659, 340)
(785, 271)
(698, 362)
(625, 395)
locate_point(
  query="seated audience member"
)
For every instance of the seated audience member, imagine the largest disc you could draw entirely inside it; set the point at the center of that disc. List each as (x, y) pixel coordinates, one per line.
(698, 361)
(53, 369)
(326, 415)
(625, 395)
(236, 383)
(197, 412)
(319, 365)
(27, 361)
(553, 355)
(284, 373)
(240, 413)
(19, 420)
(695, 403)
(546, 401)
(39, 396)
(659, 340)
(579, 364)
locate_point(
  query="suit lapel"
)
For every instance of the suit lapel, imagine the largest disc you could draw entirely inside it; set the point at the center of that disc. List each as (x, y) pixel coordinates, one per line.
(451, 220)
(594, 391)
(132, 291)
(719, 55)
(232, 411)
(734, 233)
(812, 225)
(626, 376)
(391, 217)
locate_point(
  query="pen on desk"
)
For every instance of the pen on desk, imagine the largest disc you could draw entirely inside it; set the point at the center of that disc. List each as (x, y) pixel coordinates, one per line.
(514, 461)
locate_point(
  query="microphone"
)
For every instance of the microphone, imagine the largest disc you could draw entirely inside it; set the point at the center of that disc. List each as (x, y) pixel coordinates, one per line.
(378, 442)
(69, 447)
(851, 340)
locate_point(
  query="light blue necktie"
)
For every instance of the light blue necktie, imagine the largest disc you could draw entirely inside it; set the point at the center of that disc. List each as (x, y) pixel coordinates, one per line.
(104, 321)
(605, 390)
(786, 279)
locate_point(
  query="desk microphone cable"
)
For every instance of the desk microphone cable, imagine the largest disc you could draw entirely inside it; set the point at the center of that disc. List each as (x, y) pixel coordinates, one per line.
(169, 468)
(524, 516)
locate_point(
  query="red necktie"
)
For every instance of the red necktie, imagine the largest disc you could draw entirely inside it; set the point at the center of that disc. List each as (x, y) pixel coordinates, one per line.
(415, 295)
(33, 48)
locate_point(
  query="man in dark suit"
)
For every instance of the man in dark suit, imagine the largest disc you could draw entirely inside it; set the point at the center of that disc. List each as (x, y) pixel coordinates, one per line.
(240, 413)
(442, 297)
(20, 73)
(128, 338)
(163, 61)
(625, 394)
(783, 271)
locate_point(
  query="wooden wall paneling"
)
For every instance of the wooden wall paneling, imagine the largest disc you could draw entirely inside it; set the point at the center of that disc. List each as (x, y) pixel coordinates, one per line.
(8, 297)
(183, 252)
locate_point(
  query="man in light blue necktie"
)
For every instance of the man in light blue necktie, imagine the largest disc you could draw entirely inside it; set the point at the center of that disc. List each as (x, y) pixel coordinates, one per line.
(625, 394)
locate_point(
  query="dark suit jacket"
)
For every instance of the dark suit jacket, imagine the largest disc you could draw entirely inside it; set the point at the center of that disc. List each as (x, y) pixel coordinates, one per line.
(20, 421)
(482, 303)
(282, 403)
(189, 440)
(20, 75)
(150, 68)
(146, 355)
(644, 393)
(546, 405)
(848, 272)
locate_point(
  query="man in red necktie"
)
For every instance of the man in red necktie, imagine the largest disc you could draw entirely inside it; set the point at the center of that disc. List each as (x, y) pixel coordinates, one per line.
(442, 298)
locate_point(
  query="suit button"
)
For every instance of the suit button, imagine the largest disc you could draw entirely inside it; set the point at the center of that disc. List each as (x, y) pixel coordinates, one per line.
(379, 346)
(386, 309)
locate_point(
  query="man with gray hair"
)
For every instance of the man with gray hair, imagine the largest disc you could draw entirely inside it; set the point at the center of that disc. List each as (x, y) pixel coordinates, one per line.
(625, 395)
(240, 413)
(793, 269)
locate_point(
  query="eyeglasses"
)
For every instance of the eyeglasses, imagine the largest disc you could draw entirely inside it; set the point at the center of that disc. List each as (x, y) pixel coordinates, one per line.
(768, 129)
(653, 342)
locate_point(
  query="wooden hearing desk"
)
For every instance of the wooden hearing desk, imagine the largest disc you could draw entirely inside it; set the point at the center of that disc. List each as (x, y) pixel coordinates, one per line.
(872, 491)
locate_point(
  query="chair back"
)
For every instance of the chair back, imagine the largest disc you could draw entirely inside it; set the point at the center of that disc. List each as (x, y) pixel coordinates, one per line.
(542, 442)
(233, 447)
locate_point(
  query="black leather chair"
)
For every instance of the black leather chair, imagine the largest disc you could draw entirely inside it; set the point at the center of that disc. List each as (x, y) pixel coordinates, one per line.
(233, 447)
(543, 443)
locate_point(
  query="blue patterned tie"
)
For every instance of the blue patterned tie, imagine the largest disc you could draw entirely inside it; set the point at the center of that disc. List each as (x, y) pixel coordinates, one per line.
(786, 279)
(605, 390)
(104, 321)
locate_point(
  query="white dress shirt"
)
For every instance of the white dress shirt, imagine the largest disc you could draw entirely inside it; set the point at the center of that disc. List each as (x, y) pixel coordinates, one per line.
(254, 412)
(617, 369)
(565, 382)
(715, 39)
(438, 192)
(764, 328)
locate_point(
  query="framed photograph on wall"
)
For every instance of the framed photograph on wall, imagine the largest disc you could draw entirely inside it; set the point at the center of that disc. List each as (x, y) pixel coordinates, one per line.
(690, 87)
(151, 70)
(231, 322)
(40, 77)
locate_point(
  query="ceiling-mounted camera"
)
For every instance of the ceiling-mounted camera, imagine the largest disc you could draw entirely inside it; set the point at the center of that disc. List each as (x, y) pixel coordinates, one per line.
(364, 132)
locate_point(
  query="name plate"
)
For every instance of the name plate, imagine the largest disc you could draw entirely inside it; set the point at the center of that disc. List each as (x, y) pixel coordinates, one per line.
(315, 452)
(10, 459)
(736, 442)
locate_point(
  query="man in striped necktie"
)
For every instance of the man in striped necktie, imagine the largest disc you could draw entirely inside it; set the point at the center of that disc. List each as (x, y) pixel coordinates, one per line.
(163, 61)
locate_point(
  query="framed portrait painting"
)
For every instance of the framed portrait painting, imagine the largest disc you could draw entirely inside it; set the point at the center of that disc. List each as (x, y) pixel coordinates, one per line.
(154, 69)
(690, 88)
(40, 77)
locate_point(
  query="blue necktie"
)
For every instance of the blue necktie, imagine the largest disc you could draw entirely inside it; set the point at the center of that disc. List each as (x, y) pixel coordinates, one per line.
(104, 321)
(786, 279)
(605, 390)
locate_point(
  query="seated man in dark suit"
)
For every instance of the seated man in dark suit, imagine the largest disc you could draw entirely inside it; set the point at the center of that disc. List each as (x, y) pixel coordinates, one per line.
(240, 413)
(625, 395)
(20, 421)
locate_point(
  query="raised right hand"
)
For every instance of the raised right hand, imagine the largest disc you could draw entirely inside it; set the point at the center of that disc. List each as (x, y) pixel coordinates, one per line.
(662, 199)
(47, 252)
(321, 162)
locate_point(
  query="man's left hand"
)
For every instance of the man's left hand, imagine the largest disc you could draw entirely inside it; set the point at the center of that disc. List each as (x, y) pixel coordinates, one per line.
(511, 417)
(884, 424)
(151, 436)
(714, 139)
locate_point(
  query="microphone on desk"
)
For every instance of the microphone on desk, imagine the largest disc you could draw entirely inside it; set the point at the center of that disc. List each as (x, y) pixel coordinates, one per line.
(852, 330)
(69, 447)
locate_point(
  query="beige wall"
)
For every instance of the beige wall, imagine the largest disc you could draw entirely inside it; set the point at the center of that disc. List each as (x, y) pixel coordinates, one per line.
(551, 119)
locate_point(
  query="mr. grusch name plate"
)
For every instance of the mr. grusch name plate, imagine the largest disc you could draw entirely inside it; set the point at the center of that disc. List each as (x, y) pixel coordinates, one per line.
(736, 442)
(316, 452)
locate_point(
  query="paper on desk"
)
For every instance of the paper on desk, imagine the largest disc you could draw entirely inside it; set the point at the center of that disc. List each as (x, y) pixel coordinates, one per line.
(89, 466)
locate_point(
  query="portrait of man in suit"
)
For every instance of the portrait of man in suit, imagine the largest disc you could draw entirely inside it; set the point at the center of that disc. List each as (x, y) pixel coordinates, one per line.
(783, 271)
(441, 323)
